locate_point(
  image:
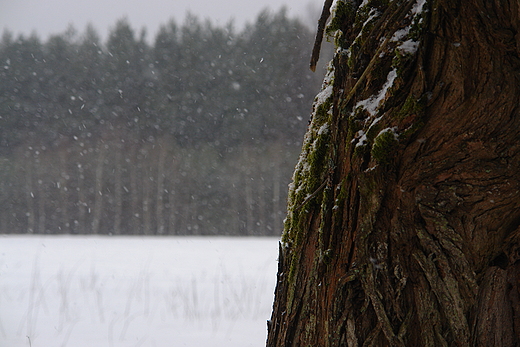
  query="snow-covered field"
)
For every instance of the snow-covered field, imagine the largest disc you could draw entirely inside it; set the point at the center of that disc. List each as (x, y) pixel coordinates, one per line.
(86, 291)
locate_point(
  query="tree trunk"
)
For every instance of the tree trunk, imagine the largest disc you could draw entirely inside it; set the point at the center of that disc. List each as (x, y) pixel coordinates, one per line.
(250, 204)
(118, 190)
(42, 191)
(276, 201)
(64, 194)
(98, 191)
(136, 224)
(82, 201)
(172, 198)
(161, 174)
(29, 195)
(403, 215)
(147, 208)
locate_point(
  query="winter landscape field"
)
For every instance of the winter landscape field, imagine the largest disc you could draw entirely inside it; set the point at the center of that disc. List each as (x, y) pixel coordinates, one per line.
(95, 291)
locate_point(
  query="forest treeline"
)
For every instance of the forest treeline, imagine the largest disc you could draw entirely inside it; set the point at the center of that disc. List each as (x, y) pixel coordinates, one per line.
(195, 133)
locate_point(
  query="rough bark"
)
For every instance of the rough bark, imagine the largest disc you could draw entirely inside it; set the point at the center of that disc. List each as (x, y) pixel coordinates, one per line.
(403, 215)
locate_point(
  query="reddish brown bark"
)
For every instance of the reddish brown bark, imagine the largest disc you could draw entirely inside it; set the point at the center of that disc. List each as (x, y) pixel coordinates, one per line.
(412, 240)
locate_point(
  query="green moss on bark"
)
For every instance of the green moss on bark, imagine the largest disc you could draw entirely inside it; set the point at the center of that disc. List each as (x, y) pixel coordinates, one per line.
(384, 145)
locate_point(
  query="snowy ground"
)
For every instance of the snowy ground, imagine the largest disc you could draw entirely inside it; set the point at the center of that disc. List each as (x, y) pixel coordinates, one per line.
(58, 291)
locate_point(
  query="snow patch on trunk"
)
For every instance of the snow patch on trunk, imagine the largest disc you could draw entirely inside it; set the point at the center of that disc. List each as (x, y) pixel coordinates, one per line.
(418, 7)
(371, 104)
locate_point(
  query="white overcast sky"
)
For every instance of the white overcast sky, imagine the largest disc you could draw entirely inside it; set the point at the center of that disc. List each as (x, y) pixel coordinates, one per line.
(47, 17)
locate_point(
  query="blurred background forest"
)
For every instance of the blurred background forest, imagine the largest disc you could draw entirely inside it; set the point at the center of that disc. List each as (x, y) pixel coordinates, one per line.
(195, 133)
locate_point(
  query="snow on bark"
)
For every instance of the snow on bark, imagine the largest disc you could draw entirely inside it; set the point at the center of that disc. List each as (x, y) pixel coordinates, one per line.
(372, 103)
(326, 91)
